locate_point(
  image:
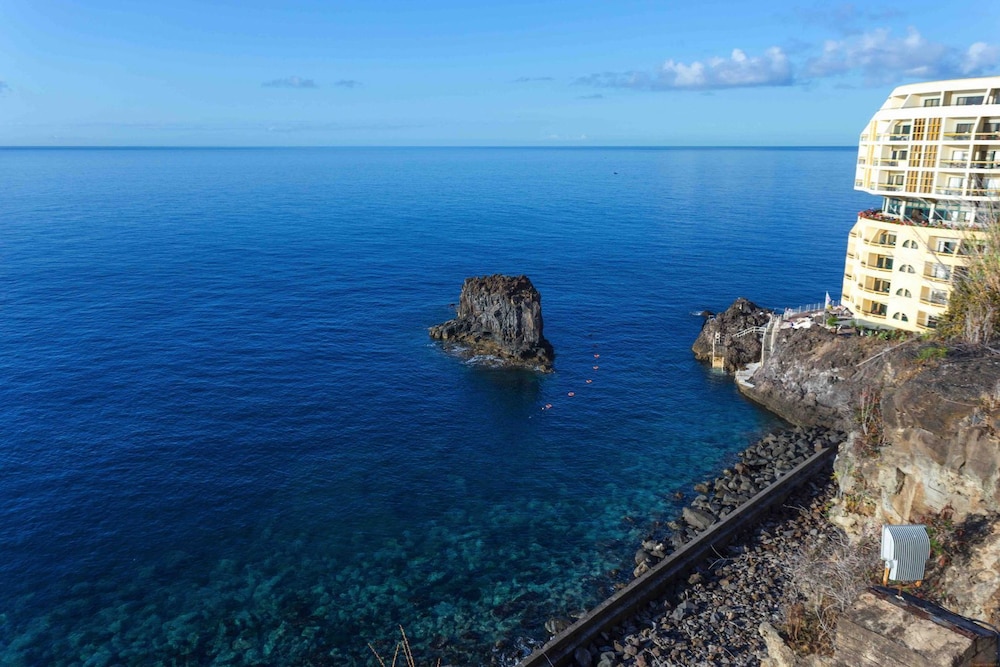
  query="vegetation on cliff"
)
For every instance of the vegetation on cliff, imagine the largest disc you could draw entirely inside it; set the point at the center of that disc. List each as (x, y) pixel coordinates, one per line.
(973, 314)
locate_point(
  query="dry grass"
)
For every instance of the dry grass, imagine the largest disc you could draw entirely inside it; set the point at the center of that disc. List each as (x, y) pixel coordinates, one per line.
(828, 577)
(402, 648)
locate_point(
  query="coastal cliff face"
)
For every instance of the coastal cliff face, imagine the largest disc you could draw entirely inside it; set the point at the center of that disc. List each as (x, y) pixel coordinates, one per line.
(501, 317)
(924, 444)
(923, 420)
(932, 415)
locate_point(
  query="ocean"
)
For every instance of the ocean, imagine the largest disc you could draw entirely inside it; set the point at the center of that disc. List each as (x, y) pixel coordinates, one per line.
(227, 439)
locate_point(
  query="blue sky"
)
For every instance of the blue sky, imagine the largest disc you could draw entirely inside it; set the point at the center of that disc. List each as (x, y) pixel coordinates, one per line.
(582, 73)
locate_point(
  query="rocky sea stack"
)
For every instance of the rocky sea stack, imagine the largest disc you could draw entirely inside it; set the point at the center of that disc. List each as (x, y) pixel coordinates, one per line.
(501, 317)
(731, 332)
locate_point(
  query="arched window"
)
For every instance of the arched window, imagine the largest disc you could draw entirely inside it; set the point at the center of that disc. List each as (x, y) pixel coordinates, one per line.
(906, 268)
(902, 291)
(909, 244)
(901, 317)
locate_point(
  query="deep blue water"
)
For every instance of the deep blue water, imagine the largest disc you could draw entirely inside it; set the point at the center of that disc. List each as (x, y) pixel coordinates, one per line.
(225, 437)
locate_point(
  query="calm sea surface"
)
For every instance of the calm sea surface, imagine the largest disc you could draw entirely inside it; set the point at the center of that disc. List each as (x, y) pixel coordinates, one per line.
(226, 438)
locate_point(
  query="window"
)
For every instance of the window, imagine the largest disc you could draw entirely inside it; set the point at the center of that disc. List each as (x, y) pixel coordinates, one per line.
(881, 286)
(932, 322)
(947, 245)
(878, 308)
(941, 271)
(899, 155)
(906, 268)
(909, 243)
(901, 317)
(886, 238)
(969, 100)
(963, 130)
(883, 262)
(938, 297)
(902, 291)
(933, 102)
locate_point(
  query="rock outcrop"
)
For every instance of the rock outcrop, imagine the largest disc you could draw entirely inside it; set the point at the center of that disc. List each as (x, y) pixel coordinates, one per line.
(729, 335)
(499, 317)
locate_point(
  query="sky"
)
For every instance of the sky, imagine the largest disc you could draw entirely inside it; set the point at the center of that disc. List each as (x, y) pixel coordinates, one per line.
(470, 73)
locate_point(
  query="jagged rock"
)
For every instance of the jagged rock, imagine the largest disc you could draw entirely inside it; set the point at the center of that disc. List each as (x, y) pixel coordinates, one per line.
(737, 351)
(500, 317)
(778, 653)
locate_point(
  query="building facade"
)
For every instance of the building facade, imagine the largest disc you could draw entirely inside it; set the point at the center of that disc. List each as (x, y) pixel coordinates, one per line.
(932, 152)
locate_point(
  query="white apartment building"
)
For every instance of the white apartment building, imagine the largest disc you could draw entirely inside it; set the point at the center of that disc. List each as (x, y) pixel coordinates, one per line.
(932, 152)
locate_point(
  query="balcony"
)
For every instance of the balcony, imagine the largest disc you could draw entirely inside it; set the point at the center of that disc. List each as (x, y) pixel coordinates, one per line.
(957, 136)
(879, 216)
(955, 164)
(888, 188)
(988, 136)
(942, 279)
(937, 303)
(955, 192)
(876, 267)
(886, 162)
(986, 164)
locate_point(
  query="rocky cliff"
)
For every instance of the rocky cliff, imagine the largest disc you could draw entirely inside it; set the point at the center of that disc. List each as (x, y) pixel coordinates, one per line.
(924, 444)
(500, 317)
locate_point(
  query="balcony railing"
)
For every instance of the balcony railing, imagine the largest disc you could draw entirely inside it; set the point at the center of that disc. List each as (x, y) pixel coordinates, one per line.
(986, 164)
(957, 192)
(955, 164)
(873, 314)
(875, 214)
(885, 162)
(939, 303)
(957, 136)
(875, 267)
(938, 279)
(889, 188)
(988, 136)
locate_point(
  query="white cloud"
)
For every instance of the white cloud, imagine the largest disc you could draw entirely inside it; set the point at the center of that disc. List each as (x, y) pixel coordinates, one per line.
(882, 58)
(290, 82)
(980, 58)
(877, 57)
(737, 71)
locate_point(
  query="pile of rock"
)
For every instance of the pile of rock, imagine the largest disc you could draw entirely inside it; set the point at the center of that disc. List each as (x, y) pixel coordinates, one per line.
(730, 605)
(759, 466)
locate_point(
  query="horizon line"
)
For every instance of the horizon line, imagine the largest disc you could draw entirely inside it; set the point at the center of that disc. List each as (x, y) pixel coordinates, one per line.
(424, 146)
